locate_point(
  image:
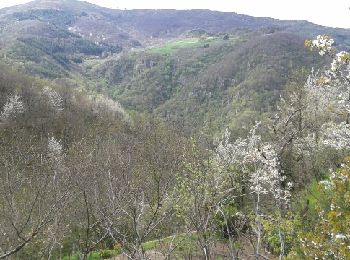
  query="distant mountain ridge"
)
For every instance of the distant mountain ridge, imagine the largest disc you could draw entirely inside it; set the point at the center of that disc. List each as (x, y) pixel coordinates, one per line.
(132, 28)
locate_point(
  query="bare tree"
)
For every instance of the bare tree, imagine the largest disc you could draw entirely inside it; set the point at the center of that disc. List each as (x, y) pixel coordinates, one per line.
(34, 189)
(128, 180)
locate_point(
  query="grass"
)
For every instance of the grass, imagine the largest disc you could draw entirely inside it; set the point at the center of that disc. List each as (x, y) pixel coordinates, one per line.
(169, 47)
(185, 242)
(150, 245)
(73, 257)
(95, 255)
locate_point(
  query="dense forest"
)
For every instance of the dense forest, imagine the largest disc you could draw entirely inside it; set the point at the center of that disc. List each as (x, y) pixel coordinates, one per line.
(164, 134)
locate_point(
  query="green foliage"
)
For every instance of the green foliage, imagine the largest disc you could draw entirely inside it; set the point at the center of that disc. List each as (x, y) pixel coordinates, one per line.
(105, 254)
(276, 226)
(149, 245)
(197, 171)
(198, 84)
(329, 237)
(232, 83)
(225, 222)
(187, 243)
(73, 257)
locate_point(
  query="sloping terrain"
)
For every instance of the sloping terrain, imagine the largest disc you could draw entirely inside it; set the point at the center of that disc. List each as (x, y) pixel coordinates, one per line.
(113, 145)
(194, 68)
(211, 82)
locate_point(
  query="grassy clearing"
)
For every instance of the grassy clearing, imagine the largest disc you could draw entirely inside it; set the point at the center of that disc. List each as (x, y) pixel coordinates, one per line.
(194, 42)
(98, 255)
(169, 47)
(184, 242)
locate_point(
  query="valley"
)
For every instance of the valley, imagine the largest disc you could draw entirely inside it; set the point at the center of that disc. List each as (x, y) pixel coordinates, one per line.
(184, 134)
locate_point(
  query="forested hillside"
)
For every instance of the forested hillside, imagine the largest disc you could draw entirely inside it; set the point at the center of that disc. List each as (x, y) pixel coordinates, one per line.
(165, 134)
(207, 82)
(154, 61)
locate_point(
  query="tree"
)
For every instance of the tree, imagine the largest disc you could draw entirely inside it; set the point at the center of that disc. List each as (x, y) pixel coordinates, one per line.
(199, 190)
(330, 236)
(35, 186)
(260, 164)
(129, 180)
(332, 87)
(12, 108)
(54, 99)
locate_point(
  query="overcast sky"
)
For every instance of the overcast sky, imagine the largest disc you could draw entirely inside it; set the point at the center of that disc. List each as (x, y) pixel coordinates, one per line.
(333, 13)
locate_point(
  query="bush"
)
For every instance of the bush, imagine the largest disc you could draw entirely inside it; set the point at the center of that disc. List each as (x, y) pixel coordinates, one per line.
(106, 254)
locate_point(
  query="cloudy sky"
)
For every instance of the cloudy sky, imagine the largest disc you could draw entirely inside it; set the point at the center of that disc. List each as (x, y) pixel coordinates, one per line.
(333, 13)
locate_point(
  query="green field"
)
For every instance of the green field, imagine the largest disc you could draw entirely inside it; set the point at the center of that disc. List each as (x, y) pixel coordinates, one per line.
(169, 47)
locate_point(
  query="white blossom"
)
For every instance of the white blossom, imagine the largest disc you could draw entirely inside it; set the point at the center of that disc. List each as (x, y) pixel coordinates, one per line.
(55, 151)
(327, 184)
(328, 97)
(336, 135)
(13, 107)
(341, 59)
(55, 99)
(323, 43)
(104, 104)
(252, 153)
(331, 88)
(319, 93)
(259, 161)
(56, 157)
(340, 236)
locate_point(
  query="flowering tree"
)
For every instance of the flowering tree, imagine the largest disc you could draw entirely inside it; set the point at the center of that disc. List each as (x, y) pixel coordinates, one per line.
(259, 161)
(324, 122)
(313, 119)
(13, 107)
(54, 99)
(330, 237)
(332, 88)
(102, 105)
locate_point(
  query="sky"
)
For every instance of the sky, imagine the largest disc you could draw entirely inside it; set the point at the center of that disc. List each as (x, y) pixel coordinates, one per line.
(334, 13)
